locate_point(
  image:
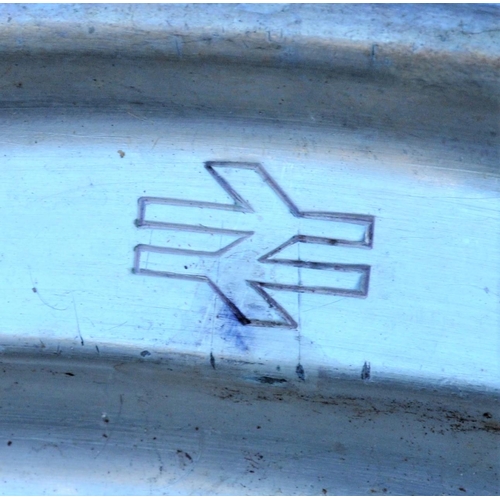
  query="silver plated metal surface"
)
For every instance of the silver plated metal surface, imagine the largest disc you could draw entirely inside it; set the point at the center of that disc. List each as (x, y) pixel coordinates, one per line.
(249, 249)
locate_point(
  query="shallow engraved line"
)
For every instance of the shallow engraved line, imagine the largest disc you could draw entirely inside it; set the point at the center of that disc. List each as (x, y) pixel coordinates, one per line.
(193, 229)
(363, 269)
(288, 322)
(144, 201)
(183, 251)
(361, 219)
(240, 205)
(322, 290)
(200, 278)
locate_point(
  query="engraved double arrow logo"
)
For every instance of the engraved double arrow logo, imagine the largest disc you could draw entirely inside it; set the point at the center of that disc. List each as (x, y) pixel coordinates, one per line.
(243, 260)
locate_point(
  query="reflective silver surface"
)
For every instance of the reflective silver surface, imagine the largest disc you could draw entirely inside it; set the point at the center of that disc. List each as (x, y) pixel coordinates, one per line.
(249, 249)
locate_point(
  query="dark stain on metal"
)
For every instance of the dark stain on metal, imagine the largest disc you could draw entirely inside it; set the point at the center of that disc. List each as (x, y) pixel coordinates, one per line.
(365, 371)
(145, 354)
(185, 454)
(231, 329)
(300, 372)
(491, 427)
(271, 380)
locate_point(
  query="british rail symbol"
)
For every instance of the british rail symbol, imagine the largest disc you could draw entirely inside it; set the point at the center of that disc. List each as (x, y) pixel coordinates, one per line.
(256, 272)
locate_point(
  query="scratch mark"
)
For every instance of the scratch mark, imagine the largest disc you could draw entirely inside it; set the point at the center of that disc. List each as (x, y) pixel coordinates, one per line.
(190, 466)
(324, 305)
(48, 445)
(178, 47)
(299, 309)
(117, 326)
(34, 289)
(484, 289)
(110, 433)
(135, 116)
(77, 322)
(155, 143)
(212, 361)
(492, 30)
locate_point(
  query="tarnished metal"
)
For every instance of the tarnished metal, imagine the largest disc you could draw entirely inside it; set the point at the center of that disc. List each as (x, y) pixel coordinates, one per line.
(249, 249)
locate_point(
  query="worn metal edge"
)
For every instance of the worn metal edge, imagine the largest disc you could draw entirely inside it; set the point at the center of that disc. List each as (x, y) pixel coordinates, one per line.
(319, 380)
(454, 45)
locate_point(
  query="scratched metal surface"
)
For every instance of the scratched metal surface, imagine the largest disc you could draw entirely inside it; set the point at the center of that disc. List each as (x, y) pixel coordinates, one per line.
(249, 249)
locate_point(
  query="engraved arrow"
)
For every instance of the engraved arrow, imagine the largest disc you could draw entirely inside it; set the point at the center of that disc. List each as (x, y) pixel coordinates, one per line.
(280, 267)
